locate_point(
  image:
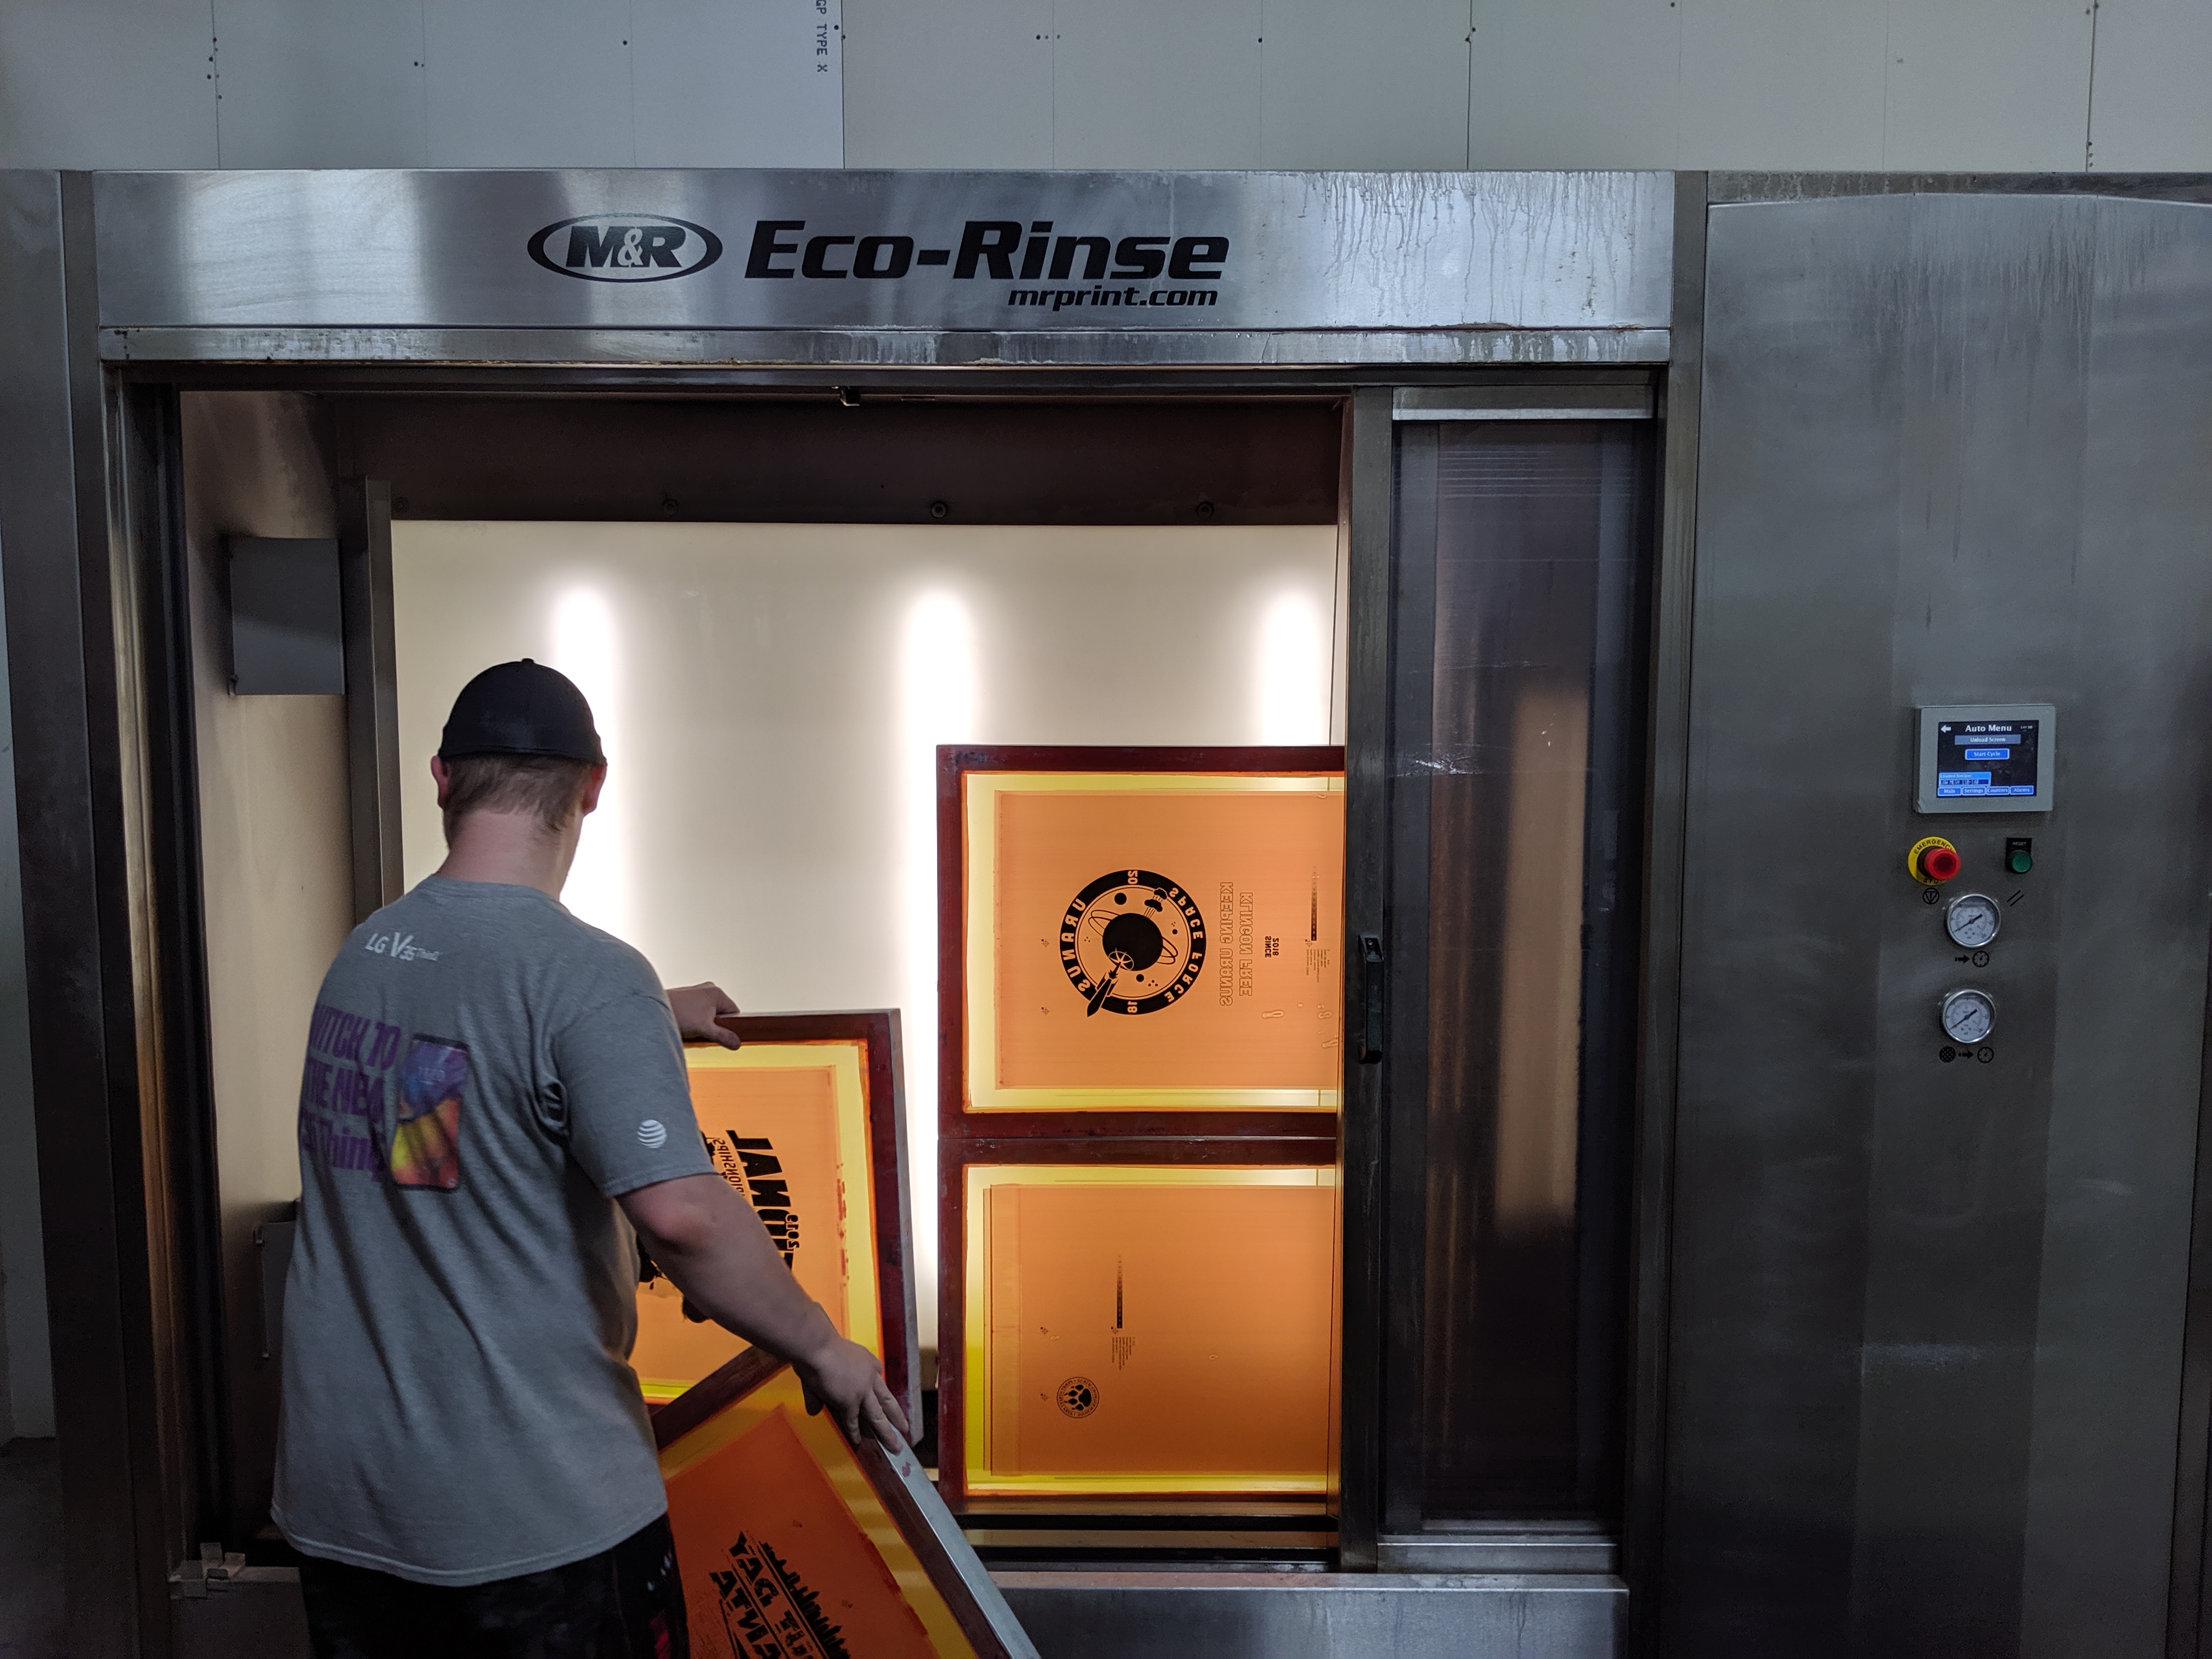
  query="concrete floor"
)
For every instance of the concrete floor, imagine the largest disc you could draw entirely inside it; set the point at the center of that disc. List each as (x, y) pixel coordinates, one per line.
(30, 1551)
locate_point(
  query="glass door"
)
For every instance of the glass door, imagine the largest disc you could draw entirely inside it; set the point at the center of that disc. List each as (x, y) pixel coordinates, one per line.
(1515, 783)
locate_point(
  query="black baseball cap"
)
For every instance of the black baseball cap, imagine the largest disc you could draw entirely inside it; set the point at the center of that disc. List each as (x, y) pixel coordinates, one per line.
(521, 708)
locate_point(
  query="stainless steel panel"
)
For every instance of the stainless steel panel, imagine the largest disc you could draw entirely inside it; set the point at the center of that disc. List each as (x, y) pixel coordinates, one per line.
(1529, 252)
(1927, 1316)
(1652, 1176)
(55, 556)
(902, 349)
(1366, 508)
(1564, 1546)
(1551, 403)
(1318, 1615)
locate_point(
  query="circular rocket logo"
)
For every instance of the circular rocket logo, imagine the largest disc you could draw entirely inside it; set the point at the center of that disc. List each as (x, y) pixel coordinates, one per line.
(1131, 943)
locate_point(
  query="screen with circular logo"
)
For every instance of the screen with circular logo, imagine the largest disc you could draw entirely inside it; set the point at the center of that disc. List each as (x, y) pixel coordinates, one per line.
(1079, 1396)
(1131, 942)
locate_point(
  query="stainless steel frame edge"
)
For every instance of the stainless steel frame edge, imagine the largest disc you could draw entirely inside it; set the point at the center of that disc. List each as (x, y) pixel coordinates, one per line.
(1365, 502)
(884, 349)
(95, 1051)
(1666, 793)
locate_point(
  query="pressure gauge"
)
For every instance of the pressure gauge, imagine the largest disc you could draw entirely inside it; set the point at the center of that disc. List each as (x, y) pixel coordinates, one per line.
(1972, 919)
(1969, 1017)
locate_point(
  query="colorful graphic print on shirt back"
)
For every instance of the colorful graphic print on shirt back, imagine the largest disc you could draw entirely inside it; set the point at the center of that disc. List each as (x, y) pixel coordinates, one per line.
(343, 1119)
(426, 1142)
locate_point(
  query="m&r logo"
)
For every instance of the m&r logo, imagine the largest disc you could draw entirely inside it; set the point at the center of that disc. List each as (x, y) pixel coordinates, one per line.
(625, 247)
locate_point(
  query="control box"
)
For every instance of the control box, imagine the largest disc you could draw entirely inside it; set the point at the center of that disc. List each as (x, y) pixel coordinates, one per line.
(1986, 757)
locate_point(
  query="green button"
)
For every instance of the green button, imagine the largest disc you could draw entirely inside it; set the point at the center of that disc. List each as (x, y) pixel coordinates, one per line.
(2022, 862)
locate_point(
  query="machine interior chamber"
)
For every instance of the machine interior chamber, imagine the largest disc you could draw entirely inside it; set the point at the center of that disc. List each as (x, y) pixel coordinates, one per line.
(781, 606)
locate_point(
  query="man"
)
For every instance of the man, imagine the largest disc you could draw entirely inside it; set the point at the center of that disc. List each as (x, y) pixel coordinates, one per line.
(491, 1087)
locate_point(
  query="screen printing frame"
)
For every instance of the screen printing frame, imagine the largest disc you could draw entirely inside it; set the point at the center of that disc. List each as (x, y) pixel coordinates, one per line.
(1173, 1155)
(896, 1480)
(884, 1079)
(957, 1120)
(979, 1178)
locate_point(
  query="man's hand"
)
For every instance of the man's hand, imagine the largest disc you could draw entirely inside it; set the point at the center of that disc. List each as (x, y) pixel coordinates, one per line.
(695, 1007)
(845, 1377)
(712, 1246)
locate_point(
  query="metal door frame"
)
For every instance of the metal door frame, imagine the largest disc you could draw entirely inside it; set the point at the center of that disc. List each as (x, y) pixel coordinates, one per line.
(108, 812)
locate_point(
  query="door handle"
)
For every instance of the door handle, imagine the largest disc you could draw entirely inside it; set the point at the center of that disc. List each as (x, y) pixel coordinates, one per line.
(1370, 1035)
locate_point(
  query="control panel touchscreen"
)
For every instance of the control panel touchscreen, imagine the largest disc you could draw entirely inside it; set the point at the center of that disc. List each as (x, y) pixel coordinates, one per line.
(1985, 758)
(1990, 759)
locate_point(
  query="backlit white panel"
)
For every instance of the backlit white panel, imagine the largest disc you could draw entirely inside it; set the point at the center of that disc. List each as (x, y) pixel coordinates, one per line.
(772, 697)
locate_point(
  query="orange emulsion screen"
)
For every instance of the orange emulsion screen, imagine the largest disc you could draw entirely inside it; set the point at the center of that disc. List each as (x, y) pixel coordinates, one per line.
(774, 1565)
(1169, 940)
(773, 1133)
(1161, 1330)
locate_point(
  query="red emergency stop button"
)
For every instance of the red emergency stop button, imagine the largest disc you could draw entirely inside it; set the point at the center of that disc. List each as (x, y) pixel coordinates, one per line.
(1932, 861)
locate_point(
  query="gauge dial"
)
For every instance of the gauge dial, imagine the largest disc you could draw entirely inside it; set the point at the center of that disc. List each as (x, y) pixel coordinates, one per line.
(1969, 1017)
(1972, 919)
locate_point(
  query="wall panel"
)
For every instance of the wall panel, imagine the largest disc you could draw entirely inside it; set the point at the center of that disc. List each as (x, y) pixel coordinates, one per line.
(544, 83)
(2151, 110)
(106, 84)
(1624, 58)
(719, 85)
(1157, 83)
(948, 83)
(1797, 83)
(324, 86)
(1382, 85)
(1857, 84)
(2001, 85)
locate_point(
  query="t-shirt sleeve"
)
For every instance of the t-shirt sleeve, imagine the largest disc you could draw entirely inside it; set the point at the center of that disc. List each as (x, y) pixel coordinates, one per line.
(626, 1096)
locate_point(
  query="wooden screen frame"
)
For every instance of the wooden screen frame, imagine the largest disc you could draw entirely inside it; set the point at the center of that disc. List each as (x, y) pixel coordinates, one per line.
(954, 1159)
(900, 1485)
(955, 1121)
(884, 1074)
(1238, 1137)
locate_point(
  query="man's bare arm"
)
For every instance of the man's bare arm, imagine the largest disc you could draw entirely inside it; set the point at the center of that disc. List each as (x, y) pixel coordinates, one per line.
(706, 1238)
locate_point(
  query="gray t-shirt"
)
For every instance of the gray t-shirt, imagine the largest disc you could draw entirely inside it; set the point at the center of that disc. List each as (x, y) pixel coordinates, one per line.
(485, 1074)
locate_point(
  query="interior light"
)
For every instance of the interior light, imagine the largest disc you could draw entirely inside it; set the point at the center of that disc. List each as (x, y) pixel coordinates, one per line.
(1291, 686)
(937, 703)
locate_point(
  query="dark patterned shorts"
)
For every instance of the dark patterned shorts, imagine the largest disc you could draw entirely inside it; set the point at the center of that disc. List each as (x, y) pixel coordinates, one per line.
(623, 1603)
